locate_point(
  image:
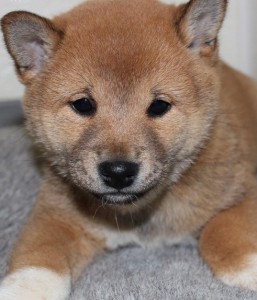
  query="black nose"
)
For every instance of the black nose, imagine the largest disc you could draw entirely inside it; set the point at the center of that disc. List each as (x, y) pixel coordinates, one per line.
(118, 174)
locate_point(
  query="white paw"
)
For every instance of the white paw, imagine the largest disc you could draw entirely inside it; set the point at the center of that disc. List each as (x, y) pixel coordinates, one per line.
(246, 277)
(35, 284)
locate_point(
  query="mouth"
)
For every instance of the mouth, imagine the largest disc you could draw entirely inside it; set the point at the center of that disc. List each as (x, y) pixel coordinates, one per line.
(119, 198)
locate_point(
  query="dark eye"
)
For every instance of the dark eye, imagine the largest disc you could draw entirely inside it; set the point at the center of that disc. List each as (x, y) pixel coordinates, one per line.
(84, 106)
(158, 108)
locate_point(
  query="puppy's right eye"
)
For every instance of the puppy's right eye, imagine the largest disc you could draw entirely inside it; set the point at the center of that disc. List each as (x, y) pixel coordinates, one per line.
(158, 108)
(84, 106)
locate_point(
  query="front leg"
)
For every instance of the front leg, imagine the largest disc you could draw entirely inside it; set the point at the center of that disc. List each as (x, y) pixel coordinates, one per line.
(52, 251)
(229, 245)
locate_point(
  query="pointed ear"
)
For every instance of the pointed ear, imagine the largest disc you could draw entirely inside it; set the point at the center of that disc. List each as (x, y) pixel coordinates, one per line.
(199, 22)
(31, 41)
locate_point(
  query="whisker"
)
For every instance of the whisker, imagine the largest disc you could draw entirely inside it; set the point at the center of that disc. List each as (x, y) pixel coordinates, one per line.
(116, 219)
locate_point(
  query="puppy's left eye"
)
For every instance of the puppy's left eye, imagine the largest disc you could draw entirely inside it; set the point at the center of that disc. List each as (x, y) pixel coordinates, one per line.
(84, 106)
(158, 108)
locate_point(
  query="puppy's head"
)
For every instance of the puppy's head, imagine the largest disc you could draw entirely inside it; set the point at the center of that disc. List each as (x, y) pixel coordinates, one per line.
(121, 95)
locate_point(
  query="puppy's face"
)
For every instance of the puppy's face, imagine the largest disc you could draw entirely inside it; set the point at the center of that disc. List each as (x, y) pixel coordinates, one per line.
(121, 95)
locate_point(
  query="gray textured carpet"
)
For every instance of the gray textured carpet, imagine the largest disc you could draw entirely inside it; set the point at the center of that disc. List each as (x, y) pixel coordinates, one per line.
(129, 274)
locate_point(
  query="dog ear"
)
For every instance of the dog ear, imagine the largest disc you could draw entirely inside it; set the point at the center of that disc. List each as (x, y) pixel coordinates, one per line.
(199, 22)
(31, 41)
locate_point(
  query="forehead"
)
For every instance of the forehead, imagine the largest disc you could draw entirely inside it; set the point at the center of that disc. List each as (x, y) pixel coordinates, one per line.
(121, 39)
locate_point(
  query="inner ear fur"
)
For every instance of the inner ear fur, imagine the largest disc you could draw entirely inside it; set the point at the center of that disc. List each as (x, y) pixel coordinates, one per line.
(199, 21)
(31, 41)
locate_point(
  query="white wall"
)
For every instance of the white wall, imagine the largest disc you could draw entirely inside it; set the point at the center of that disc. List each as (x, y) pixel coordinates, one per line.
(238, 37)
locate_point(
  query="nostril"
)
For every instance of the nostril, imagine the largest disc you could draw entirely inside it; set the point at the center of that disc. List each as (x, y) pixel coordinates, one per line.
(130, 177)
(106, 178)
(118, 174)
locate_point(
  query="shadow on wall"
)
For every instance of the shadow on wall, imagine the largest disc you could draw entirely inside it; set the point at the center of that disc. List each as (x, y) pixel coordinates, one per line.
(11, 113)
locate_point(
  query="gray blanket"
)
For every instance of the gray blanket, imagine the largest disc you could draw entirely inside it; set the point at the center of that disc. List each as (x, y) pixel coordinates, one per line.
(130, 273)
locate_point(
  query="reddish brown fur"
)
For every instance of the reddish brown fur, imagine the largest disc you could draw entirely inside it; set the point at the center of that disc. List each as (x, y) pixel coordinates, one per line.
(200, 162)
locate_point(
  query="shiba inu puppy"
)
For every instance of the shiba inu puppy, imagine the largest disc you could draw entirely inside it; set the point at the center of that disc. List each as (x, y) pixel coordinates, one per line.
(148, 138)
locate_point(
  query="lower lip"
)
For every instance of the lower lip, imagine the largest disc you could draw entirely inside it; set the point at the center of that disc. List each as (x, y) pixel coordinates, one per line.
(120, 199)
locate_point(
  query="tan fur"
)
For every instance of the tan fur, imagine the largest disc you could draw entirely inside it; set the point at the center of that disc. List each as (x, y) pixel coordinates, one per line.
(198, 161)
